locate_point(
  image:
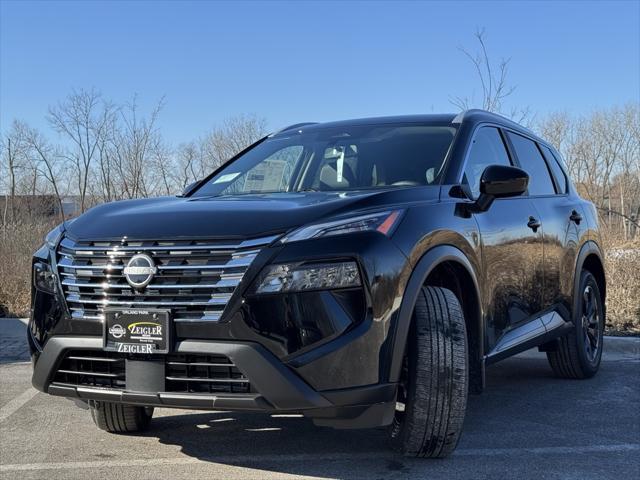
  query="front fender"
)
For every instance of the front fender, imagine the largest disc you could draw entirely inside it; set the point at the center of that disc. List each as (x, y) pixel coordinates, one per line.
(427, 263)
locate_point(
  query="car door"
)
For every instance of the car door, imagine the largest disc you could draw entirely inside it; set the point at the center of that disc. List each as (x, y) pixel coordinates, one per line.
(511, 242)
(561, 217)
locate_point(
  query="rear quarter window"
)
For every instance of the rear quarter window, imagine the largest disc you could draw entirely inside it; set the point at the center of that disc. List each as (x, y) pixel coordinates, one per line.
(554, 165)
(531, 161)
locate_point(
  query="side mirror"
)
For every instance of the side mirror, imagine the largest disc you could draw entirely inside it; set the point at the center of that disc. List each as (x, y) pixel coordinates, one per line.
(500, 181)
(187, 190)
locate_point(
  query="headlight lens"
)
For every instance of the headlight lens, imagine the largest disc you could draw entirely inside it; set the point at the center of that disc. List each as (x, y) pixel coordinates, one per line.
(383, 222)
(43, 277)
(289, 277)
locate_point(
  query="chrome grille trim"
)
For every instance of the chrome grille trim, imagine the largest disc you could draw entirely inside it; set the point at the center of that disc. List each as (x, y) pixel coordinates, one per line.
(209, 380)
(93, 374)
(221, 283)
(92, 359)
(79, 313)
(206, 317)
(136, 303)
(67, 262)
(195, 278)
(234, 263)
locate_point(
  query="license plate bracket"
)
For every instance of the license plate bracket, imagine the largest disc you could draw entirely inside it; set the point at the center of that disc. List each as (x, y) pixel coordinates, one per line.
(137, 331)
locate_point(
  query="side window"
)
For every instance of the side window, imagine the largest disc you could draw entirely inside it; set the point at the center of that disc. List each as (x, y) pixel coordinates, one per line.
(532, 162)
(487, 149)
(552, 161)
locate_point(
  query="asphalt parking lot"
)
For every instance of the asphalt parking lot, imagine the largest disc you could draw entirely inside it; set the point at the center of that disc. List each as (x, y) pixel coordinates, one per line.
(527, 425)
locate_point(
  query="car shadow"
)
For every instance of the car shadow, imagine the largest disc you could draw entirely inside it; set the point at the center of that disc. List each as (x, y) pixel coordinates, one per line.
(293, 445)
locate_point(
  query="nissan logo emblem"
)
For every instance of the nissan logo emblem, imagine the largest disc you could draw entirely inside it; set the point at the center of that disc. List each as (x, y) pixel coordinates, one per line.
(140, 271)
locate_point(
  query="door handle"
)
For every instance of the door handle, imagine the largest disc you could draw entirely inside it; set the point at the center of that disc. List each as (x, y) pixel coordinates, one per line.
(575, 217)
(533, 224)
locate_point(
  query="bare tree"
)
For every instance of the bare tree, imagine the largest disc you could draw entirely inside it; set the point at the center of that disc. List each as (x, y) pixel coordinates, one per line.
(48, 161)
(132, 143)
(14, 155)
(233, 136)
(106, 177)
(82, 118)
(602, 152)
(189, 164)
(162, 163)
(493, 81)
(196, 159)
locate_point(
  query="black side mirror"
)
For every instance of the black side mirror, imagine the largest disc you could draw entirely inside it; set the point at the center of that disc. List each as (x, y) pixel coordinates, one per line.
(187, 190)
(500, 181)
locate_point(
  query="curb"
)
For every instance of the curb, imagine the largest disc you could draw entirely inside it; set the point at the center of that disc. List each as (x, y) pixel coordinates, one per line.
(622, 345)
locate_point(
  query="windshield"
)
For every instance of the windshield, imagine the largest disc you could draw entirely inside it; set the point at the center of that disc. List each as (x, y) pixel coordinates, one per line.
(337, 159)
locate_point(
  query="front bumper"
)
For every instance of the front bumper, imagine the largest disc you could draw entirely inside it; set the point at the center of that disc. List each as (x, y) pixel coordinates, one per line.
(275, 387)
(341, 380)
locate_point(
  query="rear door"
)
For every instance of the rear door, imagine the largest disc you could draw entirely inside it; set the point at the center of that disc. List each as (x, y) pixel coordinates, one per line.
(511, 244)
(561, 217)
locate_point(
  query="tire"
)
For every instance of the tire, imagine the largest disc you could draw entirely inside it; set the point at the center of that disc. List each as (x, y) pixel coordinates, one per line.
(435, 377)
(119, 418)
(578, 353)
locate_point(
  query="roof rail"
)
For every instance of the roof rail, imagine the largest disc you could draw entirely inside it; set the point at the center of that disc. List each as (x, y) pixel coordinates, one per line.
(295, 125)
(461, 116)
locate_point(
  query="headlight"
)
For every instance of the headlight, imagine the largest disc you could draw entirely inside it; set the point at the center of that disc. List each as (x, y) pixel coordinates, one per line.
(383, 222)
(290, 277)
(53, 237)
(43, 277)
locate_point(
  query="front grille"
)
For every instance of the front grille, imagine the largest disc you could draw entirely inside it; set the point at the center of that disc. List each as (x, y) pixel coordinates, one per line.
(195, 279)
(184, 373)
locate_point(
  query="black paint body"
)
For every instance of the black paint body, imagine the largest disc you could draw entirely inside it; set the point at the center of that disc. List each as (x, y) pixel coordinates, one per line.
(509, 276)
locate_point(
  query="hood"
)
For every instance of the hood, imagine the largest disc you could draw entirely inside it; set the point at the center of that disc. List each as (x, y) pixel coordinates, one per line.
(240, 216)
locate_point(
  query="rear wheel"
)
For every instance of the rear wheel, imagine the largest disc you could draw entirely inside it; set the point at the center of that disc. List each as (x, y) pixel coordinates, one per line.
(119, 418)
(578, 354)
(432, 395)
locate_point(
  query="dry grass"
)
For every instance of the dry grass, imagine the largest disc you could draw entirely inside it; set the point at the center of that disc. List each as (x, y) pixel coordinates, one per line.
(623, 284)
(623, 292)
(20, 240)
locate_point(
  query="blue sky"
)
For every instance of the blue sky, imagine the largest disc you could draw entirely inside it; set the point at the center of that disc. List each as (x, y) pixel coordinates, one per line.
(295, 61)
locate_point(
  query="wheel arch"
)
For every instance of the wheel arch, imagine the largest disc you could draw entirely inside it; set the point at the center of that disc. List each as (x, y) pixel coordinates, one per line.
(445, 266)
(590, 258)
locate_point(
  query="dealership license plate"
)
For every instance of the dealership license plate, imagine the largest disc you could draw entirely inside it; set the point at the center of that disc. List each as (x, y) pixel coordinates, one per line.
(137, 331)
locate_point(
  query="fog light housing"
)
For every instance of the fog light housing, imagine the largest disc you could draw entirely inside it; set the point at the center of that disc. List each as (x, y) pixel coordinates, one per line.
(291, 277)
(43, 277)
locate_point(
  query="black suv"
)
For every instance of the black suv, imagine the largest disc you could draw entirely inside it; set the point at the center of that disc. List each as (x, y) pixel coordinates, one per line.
(363, 273)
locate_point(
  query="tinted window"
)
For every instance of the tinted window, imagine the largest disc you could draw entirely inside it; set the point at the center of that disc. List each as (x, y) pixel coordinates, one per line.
(552, 161)
(532, 162)
(487, 149)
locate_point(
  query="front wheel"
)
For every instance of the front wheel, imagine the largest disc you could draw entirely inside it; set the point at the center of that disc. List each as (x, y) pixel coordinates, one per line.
(119, 418)
(432, 396)
(579, 353)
